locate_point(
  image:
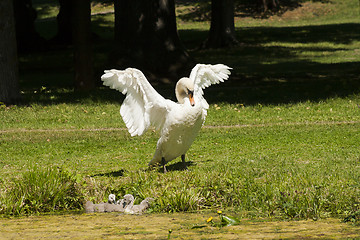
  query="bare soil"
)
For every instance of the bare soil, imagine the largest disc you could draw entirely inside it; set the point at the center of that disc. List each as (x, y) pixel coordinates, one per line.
(307, 9)
(156, 226)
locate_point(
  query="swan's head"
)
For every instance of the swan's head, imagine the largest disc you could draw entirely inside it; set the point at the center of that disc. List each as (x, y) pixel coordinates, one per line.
(185, 89)
(111, 199)
(128, 200)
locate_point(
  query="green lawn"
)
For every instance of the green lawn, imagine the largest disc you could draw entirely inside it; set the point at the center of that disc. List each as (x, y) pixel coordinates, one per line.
(281, 137)
(299, 160)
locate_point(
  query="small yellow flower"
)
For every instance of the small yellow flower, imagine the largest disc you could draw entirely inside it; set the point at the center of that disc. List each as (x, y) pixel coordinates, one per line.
(219, 212)
(209, 219)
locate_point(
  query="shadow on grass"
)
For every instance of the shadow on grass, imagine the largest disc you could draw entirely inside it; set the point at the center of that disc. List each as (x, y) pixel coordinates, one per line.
(119, 173)
(268, 67)
(179, 166)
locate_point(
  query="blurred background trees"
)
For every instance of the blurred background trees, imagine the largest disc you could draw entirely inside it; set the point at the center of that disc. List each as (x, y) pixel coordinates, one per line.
(145, 33)
(222, 28)
(147, 37)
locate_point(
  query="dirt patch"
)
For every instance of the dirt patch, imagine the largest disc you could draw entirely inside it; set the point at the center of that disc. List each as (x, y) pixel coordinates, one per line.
(156, 226)
(307, 10)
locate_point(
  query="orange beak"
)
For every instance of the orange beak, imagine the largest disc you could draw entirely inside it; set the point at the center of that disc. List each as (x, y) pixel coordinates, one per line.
(191, 98)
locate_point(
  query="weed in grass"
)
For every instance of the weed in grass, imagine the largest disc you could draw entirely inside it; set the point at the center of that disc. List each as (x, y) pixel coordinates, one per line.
(353, 217)
(169, 234)
(225, 221)
(179, 199)
(40, 190)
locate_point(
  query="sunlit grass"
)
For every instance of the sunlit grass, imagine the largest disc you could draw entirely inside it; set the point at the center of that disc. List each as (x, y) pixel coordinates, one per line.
(100, 114)
(40, 189)
(290, 161)
(321, 52)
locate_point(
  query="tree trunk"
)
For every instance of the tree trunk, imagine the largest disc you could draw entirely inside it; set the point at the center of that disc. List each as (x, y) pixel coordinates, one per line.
(222, 28)
(9, 73)
(64, 23)
(26, 35)
(270, 4)
(84, 77)
(147, 36)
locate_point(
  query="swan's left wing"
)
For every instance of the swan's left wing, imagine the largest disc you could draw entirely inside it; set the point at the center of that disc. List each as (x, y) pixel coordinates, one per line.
(204, 75)
(143, 105)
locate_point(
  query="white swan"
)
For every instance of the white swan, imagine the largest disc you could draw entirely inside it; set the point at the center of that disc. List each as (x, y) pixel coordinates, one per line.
(112, 199)
(179, 123)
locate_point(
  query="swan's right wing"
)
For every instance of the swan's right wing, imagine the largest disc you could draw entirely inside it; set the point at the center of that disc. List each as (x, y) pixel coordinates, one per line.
(143, 106)
(205, 75)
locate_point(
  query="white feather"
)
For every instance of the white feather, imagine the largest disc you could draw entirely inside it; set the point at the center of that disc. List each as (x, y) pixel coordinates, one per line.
(143, 106)
(179, 123)
(204, 75)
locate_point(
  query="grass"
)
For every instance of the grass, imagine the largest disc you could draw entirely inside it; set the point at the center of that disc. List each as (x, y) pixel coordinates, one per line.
(41, 190)
(280, 140)
(287, 161)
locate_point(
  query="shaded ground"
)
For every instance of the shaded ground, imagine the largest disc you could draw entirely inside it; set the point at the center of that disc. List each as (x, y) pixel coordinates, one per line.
(156, 226)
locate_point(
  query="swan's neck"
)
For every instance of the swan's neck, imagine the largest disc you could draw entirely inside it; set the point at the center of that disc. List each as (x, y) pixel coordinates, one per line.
(183, 86)
(180, 95)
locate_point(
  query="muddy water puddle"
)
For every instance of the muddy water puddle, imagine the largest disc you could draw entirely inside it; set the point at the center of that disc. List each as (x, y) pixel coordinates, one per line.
(156, 226)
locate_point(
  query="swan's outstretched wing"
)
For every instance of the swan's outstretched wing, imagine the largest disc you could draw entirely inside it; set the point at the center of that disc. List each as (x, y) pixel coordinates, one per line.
(143, 106)
(204, 75)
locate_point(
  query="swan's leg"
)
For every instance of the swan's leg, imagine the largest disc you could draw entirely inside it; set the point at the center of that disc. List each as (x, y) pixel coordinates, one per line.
(163, 163)
(183, 161)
